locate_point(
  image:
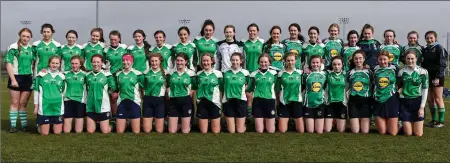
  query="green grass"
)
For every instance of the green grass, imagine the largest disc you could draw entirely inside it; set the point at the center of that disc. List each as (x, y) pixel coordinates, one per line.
(224, 147)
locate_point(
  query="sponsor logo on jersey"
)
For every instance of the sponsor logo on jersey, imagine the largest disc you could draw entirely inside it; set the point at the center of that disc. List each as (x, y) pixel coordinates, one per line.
(334, 53)
(277, 56)
(391, 57)
(358, 86)
(316, 86)
(383, 82)
(294, 51)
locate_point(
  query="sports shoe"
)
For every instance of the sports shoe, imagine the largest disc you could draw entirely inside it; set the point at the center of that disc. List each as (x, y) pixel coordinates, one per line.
(439, 125)
(12, 130)
(431, 123)
(24, 129)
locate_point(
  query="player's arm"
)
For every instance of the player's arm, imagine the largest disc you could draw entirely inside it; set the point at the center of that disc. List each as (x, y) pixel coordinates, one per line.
(112, 83)
(36, 94)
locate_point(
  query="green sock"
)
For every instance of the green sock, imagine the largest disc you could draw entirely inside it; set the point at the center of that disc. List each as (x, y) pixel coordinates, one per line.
(23, 119)
(13, 118)
(441, 114)
(433, 111)
(249, 110)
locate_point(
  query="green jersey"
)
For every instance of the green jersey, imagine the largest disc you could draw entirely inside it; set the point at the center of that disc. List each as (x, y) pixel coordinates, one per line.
(234, 85)
(263, 84)
(189, 49)
(76, 86)
(252, 50)
(22, 62)
(418, 49)
(48, 93)
(154, 83)
(66, 53)
(205, 46)
(180, 83)
(310, 50)
(394, 52)
(140, 59)
(360, 82)
(113, 57)
(296, 47)
(166, 53)
(129, 84)
(44, 51)
(289, 84)
(336, 87)
(209, 86)
(347, 55)
(276, 52)
(90, 50)
(414, 81)
(314, 84)
(384, 82)
(333, 48)
(98, 84)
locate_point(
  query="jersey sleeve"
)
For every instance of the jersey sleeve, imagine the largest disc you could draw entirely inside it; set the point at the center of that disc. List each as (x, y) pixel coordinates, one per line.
(425, 86)
(112, 83)
(442, 61)
(250, 84)
(278, 83)
(36, 89)
(9, 57)
(141, 80)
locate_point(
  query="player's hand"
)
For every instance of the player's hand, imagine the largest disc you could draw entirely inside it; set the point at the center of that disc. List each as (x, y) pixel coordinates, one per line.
(436, 82)
(367, 66)
(44, 70)
(400, 90)
(421, 112)
(14, 83)
(395, 42)
(307, 70)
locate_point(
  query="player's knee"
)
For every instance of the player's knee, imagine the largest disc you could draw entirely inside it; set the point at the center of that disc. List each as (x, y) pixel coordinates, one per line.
(15, 104)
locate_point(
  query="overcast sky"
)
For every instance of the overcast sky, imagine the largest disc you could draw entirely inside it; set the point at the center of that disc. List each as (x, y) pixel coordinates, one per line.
(154, 15)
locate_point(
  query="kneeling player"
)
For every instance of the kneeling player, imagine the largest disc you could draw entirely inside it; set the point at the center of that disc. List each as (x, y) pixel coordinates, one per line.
(75, 96)
(336, 88)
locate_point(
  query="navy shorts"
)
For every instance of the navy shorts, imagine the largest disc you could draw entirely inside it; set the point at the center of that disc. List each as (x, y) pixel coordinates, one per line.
(316, 113)
(387, 109)
(263, 108)
(74, 109)
(235, 108)
(128, 109)
(153, 107)
(409, 109)
(207, 110)
(336, 110)
(359, 107)
(180, 106)
(41, 120)
(432, 77)
(99, 116)
(290, 110)
(25, 83)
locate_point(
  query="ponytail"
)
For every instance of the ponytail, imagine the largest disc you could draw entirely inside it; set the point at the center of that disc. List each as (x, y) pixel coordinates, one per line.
(301, 38)
(147, 46)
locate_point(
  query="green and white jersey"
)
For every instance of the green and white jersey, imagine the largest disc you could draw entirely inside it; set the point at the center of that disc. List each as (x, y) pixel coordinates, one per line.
(43, 52)
(140, 59)
(189, 49)
(235, 82)
(347, 55)
(414, 81)
(209, 86)
(154, 83)
(76, 86)
(315, 89)
(360, 82)
(66, 53)
(384, 82)
(336, 87)
(113, 57)
(166, 53)
(263, 84)
(333, 48)
(205, 46)
(296, 47)
(22, 62)
(289, 84)
(129, 84)
(394, 52)
(90, 50)
(49, 93)
(276, 52)
(98, 84)
(419, 49)
(180, 83)
(252, 50)
(310, 50)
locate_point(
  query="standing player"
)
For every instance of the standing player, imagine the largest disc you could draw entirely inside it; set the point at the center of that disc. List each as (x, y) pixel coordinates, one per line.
(129, 83)
(227, 47)
(315, 99)
(275, 48)
(413, 44)
(162, 48)
(349, 49)
(206, 43)
(359, 79)
(262, 83)
(209, 87)
(19, 61)
(434, 61)
(333, 45)
(45, 48)
(179, 87)
(75, 96)
(69, 50)
(295, 43)
(313, 47)
(154, 92)
(185, 46)
(289, 92)
(99, 84)
(234, 99)
(48, 97)
(95, 46)
(369, 45)
(139, 51)
(386, 104)
(413, 89)
(337, 100)
(394, 50)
